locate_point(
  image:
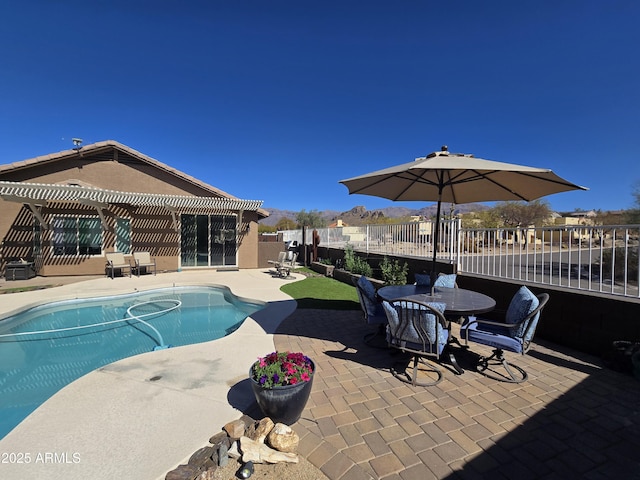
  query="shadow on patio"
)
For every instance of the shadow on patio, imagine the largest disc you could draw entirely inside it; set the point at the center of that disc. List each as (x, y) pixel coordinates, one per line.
(571, 419)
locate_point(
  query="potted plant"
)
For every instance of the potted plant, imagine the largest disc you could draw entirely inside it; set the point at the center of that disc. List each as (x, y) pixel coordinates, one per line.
(281, 383)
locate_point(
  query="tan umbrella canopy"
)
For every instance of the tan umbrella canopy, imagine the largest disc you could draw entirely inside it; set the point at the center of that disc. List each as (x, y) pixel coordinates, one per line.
(458, 178)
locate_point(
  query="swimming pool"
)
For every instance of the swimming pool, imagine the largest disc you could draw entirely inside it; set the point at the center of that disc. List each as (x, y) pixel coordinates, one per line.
(68, 344)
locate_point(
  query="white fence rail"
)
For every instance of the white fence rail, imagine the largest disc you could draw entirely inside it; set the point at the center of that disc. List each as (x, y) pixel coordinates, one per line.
(602, 259)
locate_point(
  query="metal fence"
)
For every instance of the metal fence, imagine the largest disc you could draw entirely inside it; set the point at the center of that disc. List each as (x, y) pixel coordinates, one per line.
(596, 258)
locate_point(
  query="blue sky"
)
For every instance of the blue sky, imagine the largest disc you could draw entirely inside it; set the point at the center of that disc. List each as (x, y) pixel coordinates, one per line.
(278, 101)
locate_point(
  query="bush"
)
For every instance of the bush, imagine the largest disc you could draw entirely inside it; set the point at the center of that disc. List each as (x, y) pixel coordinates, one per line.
(393, 273)
(349, 258)
(361, 267)
(355, 264)
(632, 263)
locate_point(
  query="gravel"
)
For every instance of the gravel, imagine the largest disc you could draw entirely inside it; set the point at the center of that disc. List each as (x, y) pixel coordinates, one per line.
(303, 470)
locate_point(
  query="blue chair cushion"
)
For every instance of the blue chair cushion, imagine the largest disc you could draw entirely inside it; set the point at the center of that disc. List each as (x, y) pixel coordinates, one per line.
(479, 333)
(423, 279)
(447, 281)
(375, 313)
(522, 304)
(410, 338)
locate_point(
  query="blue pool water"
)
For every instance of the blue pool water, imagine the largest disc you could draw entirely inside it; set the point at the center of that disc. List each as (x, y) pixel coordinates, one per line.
(35, 366)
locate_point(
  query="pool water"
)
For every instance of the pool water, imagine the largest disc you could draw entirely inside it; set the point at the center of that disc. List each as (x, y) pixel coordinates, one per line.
(35, 366)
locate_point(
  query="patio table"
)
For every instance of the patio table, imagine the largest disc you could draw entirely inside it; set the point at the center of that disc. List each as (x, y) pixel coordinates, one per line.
(459, 302)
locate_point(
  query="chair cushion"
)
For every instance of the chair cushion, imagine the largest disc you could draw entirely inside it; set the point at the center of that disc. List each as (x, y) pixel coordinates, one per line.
(410, 338)
(374, 311)
(423, 279)
(522, 304)
(367, 287)
(447, 281)
(480, 334)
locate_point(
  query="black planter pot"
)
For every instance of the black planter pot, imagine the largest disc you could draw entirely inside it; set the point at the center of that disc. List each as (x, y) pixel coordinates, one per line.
(282, 404)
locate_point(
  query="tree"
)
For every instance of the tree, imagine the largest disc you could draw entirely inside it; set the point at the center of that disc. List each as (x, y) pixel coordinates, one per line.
(522, 214)
(310, 219)
(286, 224)
(633, 215)
(482, 219)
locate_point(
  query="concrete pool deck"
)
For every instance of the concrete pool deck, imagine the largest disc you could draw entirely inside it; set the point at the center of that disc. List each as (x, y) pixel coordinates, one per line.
(116, 422)
(573, 418)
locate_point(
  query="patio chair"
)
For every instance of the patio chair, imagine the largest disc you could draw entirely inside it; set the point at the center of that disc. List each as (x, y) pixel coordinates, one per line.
(514, 334)
(372, 311)
(442, 280)
(143, 260)
(423, 279)
(446, 280)
(116, 261)
(282, 256)
(284, 268)
(420, 329)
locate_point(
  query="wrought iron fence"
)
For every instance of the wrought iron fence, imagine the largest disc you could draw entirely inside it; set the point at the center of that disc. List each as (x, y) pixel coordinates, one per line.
(596, 258)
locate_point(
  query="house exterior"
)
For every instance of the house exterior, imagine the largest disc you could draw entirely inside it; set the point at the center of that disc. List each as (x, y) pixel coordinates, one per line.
(66, 210)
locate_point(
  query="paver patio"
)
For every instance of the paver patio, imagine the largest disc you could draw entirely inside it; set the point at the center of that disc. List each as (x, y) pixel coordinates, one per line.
(573, 418)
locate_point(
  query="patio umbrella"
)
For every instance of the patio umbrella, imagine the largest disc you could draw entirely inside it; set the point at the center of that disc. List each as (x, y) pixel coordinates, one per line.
(458, 178)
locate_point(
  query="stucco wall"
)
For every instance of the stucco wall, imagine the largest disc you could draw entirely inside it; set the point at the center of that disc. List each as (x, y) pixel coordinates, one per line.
(152, 229)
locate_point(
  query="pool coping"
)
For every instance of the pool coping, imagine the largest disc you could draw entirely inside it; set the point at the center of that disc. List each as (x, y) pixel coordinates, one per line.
(116, 422)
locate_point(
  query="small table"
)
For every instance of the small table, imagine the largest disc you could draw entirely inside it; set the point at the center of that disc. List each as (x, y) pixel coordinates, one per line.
(458, 301)
(19, 271)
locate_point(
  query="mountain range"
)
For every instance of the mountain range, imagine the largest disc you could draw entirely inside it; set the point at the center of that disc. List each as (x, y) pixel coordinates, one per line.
(360, 215)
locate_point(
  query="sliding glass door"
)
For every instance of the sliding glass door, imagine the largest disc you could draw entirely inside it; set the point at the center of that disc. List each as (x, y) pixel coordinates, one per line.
(208, 240)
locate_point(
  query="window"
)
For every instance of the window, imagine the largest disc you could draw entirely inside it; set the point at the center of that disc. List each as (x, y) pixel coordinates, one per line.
(123, 235)
(77, 236)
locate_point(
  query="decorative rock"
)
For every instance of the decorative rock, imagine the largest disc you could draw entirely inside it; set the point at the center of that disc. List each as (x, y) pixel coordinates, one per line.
(262, 430)
(235, 429)
(256, 452)
(201, 459)
(223, 456)
(283, 438)
(233, 450)
(218, 438)
(183, 472)
(209, 474)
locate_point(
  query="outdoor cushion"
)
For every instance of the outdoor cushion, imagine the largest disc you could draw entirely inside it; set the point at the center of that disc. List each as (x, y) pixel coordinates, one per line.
(485, 335)
(409, 337)
(423, 279)
(522, 304)
(447, 281)
(371, 304)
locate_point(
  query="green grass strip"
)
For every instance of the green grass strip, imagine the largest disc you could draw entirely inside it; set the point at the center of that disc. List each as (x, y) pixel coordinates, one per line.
(323, 293)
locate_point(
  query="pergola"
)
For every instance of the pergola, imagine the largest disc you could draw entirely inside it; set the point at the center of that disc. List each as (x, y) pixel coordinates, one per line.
(37, 195)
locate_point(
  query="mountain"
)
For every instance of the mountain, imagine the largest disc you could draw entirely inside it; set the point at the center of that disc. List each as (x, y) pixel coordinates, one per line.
(360, 215)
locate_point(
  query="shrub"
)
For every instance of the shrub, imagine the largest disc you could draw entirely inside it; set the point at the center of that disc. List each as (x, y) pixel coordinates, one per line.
(349, 258)
(632, 263)
(361, 267)
(393, 273)
(355, 264)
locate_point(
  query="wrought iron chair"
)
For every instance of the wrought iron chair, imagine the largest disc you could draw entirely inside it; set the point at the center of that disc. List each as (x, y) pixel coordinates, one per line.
(372, 311)
(421, 330)
(514, 334)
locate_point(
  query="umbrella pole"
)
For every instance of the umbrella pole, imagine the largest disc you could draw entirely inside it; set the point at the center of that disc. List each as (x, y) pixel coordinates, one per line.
(436, 235)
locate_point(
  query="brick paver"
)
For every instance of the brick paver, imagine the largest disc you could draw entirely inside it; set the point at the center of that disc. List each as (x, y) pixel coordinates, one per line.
(363, 423)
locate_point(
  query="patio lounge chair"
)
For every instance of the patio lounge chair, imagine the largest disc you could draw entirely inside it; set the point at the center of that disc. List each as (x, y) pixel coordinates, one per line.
(371, 309)
(282, 256)
(284, 268)
(116, 261)
(420, 329)
(143, 260)
(514, 334)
